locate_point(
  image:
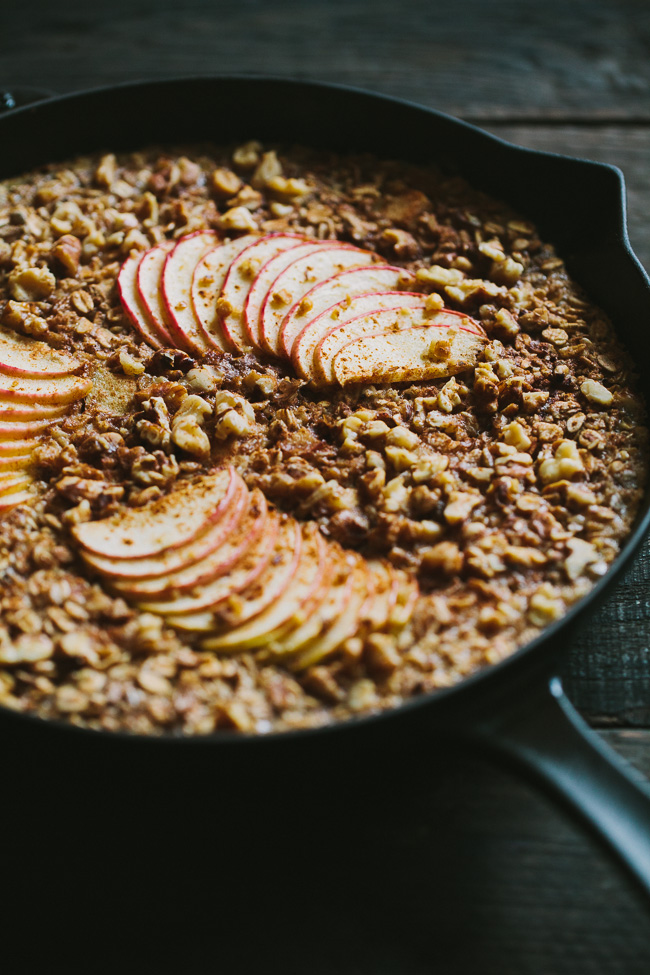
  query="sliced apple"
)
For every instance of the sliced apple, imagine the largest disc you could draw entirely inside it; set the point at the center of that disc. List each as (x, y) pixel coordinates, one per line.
(11, 482)
(238, 537)
(349, 283)
(409, 315)
(238, 282)
(129, 573)
(176, 285)
(239, 576)
(149, 287)
(168, 523)
(20, 356)
(345, 620)
(132, 302)
(265, 625)
(17, 462)
(329, 601)
(299, 277)
(376, 610)
(16, 448)
(21, 432)
(306, 345)
(25, 412)
(408, 355)
(9, 501)
(46, 392)
(207, 282)
(262, 282)
(265, 589)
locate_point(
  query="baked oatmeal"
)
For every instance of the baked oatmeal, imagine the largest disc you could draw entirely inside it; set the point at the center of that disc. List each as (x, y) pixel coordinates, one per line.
(288, 436)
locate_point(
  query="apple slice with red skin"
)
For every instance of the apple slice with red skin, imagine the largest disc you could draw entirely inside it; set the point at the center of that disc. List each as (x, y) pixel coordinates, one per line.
(127, 287)
(23, 431)
(9, 501)
(149, 287)
(176, 285)
(207, 282)
(44, 392)
(391, 605)
(16, 462)
(299, 277)
(131, 573)
(25, 412)
(30, 359)
(12, 482)
(238, 536)
(253, 559)
(239, 279)
(375, 612)
(328, 602)
(412, 314)
(348, 310)
(265, 625)
(345, 621)
(261, 283)
(405, 355)
(17, 448)
(330, 293)
(306, 623)
(170, 522)
(266, 588)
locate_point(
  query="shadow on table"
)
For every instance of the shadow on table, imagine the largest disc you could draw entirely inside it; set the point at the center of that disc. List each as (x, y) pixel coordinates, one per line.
(377, 859)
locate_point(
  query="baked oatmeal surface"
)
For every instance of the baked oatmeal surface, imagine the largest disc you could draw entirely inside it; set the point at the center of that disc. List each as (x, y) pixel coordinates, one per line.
(506, 490)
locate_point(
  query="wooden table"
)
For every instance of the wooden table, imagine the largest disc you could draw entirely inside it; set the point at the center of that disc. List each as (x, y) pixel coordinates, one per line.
(477, 872)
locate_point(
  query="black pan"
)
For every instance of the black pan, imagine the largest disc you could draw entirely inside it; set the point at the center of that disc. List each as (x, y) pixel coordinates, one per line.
(517, 708)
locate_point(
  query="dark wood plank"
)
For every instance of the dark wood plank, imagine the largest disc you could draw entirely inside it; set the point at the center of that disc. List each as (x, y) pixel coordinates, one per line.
(589, 58)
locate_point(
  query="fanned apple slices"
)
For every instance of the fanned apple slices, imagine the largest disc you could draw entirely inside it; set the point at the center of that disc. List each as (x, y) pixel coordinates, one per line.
(216, 562)
(37, 386)
(289, 296)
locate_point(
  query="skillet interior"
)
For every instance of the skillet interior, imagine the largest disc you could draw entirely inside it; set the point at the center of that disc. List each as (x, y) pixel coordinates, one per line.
(577, 204)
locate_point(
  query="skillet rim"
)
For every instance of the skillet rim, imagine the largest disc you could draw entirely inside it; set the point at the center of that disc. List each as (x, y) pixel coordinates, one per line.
(525, 657)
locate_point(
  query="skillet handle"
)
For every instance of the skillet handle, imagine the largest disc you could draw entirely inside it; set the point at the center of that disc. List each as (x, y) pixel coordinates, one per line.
(547, 738)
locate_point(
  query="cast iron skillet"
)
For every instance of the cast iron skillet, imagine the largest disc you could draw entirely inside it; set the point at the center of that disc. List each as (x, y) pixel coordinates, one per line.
(516, 709)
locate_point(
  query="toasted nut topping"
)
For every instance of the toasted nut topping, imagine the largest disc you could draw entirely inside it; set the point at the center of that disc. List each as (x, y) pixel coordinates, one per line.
(582, 554)
(130, 366)
(238, 218)
(507, 272)
(507, 323)
(225, 183)
(106, 171)
(444, 557)
(460, 506)
(267, 170)
(402, 437)
(596, 393)
(290, 189)
(565, 463)
(31, 283)
(515, 435)
(545, 606)
(247, 155)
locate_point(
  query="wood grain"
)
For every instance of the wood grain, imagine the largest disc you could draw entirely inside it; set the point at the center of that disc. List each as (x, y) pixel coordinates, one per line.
(507, 58)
